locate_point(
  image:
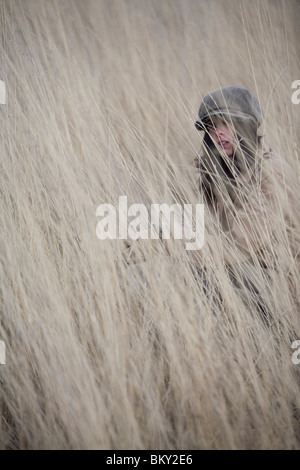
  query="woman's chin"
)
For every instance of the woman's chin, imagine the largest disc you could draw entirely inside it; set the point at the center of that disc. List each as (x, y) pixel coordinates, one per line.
(226, 148)
(228, 152)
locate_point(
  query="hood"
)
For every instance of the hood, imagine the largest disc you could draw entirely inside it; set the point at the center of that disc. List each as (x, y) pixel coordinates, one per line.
(234, 101)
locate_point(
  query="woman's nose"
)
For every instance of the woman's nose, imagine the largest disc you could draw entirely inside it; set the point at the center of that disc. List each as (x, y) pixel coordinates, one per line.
(219, 132)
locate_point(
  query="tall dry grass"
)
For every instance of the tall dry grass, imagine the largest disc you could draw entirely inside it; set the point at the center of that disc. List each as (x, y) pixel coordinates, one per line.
(103, 353)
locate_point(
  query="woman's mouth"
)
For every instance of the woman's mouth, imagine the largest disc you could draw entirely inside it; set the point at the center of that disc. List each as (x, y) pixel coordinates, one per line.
(223, 143)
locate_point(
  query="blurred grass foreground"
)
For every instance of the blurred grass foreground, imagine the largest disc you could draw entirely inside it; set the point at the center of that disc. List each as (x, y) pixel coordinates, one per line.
(110, 346)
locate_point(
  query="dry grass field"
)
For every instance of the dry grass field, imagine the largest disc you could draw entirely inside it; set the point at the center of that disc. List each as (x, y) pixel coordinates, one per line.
(109, 347)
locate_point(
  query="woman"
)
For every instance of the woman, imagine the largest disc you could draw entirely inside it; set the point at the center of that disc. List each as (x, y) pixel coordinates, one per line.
(252, 192)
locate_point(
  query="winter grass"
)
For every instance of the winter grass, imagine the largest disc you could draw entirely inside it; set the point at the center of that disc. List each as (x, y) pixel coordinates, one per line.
(110, 346)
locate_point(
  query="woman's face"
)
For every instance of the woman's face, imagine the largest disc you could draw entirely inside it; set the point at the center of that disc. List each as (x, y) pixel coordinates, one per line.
(223, 135)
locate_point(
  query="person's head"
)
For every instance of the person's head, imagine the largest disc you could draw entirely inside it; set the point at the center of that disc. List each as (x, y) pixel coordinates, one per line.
(230, 118)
